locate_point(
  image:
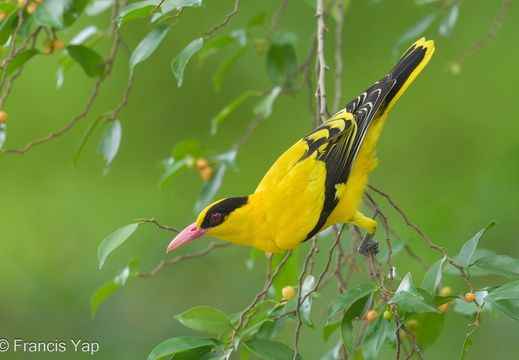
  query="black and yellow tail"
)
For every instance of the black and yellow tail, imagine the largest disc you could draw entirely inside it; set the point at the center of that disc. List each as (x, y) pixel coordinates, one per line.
(407, 69)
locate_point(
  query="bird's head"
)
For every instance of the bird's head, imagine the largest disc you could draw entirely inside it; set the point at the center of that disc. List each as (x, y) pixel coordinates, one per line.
(212, 221)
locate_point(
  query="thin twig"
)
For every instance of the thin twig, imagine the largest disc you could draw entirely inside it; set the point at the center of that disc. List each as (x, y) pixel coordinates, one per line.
(339, 63)
(164, 227)
(249, 131)
(226, 20)
(425, 237)
(154, 10)
(321, 66)
(277, 16)
(485, 40)
(179, 258)
(109, 64)
(242, 321)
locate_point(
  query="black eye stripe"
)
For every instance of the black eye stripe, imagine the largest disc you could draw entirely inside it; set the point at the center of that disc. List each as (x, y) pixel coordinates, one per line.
(223, 209)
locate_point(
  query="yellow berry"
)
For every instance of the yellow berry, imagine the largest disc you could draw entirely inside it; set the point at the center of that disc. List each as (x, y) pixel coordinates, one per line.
(201, 163)
(206, 173)
(469, 297)
(412, 325)
(3, 116)
(388, 315)
(446, 291)
(31, 8)
(3, 15)
(371, 316)
(444, 307)
(288, 292)
(59, 45)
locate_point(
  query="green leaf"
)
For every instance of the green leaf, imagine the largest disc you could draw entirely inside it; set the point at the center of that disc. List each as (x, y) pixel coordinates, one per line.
(188, 147)
(130, 271)
(503, 292)
(376, 334)
(430, 326)
(329, 329)
(433, 277)
(270, 349)
(284, 37)
(148, 45)
(115, 239)
(466, 344)
(238, 35)
(92, 63)
(225, 66)
(346, 299)
(222, 115)
(89, 36)
(20, 60)
(467, 250)
(474, 271)
(102, 293)
(136, 10)
(127, 273)
(51, 13)
(406, 290)
(499, 264)
(110, 141)
(306, 307)
(271, 328)
(178, 344)
(257, 20)
(281, 63)
(6, 25)
(356, 310)
(205, 319)
(265, 105)
(179, 63)
(413, 299)
(414, 32)
(3, 132)
(509, 307)
(448, 21)
(211, 186)
(173, 170)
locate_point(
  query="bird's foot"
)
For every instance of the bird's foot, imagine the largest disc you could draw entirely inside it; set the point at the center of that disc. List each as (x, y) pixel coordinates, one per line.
(367, 245)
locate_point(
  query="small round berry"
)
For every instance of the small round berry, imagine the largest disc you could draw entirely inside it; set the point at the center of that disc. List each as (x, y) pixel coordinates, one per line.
(31, 8)
(469, 297)
(206, 173)
(201, 163)
(3, 116)
(446, 291)
(371, 316)
(288, 292)
(443, 308)
(388, 315)
(59, 45)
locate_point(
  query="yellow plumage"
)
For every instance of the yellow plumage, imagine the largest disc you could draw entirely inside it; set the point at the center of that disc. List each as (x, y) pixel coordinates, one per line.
(320, 180)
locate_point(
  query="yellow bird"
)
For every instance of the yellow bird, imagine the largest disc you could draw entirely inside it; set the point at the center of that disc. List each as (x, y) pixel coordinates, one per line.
(320, 180)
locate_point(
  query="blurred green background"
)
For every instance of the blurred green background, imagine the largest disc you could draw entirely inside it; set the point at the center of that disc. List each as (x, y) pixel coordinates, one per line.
(448, 156)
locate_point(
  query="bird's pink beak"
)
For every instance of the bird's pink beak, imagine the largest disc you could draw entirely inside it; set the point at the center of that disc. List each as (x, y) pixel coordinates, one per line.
(188, 234)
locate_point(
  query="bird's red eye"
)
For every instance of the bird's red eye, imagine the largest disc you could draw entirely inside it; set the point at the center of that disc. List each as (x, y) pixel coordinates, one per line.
(215, 218)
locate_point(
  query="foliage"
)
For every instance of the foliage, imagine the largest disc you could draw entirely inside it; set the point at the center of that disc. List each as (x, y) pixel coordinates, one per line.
(415, 319)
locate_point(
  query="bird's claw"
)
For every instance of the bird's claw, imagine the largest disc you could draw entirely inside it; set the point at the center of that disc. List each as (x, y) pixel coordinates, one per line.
(367, 245)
